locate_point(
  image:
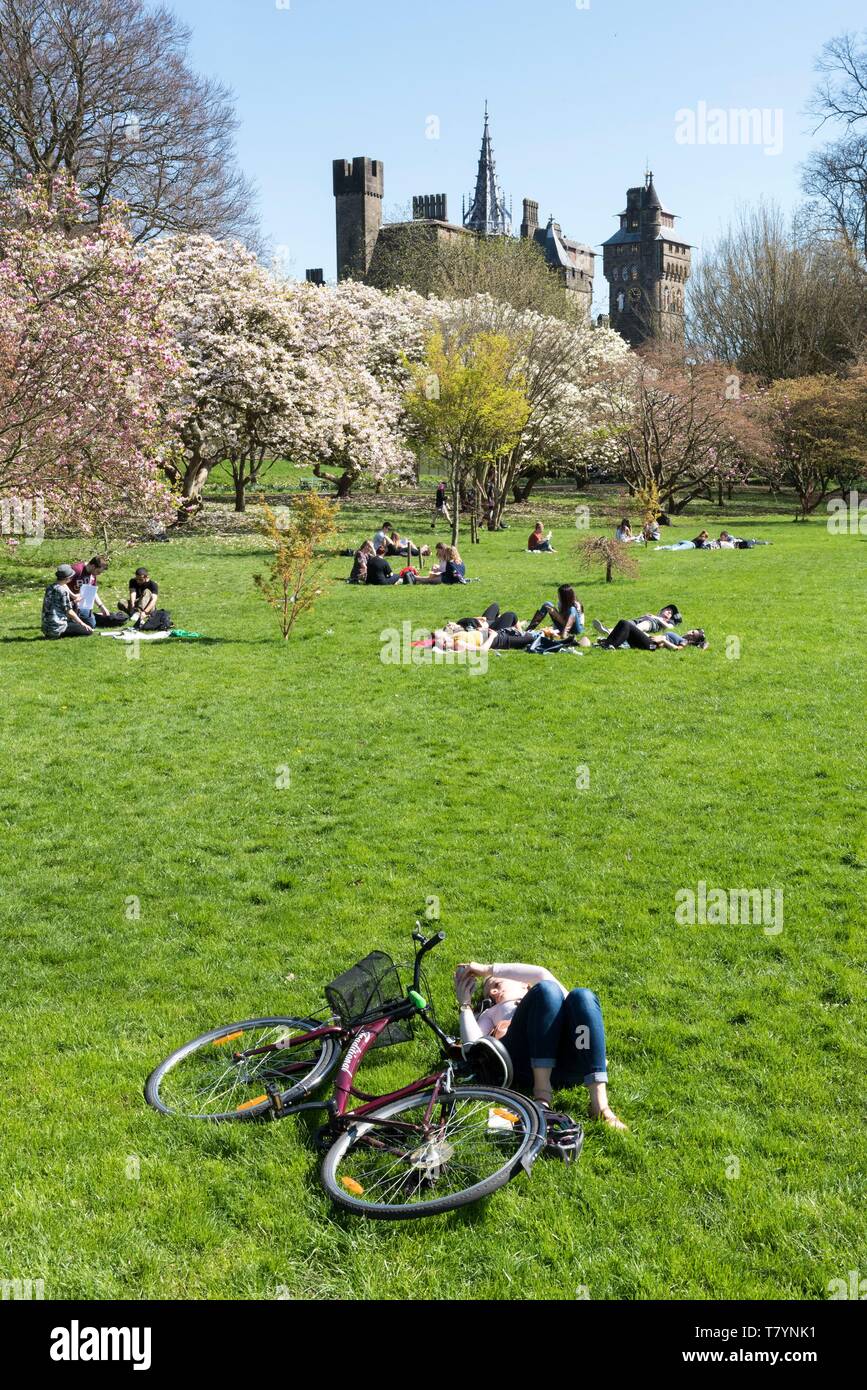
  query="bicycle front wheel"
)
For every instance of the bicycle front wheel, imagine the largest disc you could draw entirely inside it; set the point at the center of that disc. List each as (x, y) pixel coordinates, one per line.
(398, 1163)
(234, 1072)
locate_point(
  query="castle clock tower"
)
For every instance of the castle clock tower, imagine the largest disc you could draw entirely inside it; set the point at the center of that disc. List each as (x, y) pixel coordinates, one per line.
(647, 266)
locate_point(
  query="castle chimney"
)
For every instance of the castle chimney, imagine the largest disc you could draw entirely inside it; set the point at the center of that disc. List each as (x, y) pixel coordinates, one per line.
(430, 207)
(531, 218)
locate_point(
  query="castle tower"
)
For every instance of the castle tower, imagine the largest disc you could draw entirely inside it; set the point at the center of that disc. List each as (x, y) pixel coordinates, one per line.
(487, 215)
(647, 266)
(358, 189)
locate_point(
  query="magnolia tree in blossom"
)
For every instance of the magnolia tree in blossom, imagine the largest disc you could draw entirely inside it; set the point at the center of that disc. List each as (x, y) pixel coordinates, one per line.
(573, 377)
(683, 431)
(85, 361)
(279, 368)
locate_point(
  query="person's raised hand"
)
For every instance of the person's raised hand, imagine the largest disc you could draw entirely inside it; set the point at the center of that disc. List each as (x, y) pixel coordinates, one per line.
(464, 984)
(480, 970)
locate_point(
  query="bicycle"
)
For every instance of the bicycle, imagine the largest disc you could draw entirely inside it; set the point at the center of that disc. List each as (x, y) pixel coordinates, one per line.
(426, 1148)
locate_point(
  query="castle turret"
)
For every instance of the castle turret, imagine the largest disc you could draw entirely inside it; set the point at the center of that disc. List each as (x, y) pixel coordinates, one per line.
(358, 189)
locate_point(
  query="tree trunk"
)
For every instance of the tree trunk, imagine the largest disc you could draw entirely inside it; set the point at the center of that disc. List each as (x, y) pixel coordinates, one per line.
(240, 490)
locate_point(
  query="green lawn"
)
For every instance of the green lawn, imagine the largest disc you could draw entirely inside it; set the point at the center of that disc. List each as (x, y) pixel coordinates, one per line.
(155, 780)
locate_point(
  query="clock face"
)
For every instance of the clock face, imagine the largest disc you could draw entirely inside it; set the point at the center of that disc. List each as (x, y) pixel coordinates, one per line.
(635, 295)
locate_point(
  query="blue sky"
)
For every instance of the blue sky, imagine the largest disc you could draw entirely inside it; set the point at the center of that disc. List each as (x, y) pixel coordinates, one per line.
(580, 94)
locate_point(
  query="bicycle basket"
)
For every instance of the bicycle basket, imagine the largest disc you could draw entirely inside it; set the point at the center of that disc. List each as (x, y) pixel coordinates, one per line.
(360, 992)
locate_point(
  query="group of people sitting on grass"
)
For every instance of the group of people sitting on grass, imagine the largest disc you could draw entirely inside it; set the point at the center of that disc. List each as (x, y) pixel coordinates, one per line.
(72, 606)
(560, 626)
(625, 534)
(370, 565)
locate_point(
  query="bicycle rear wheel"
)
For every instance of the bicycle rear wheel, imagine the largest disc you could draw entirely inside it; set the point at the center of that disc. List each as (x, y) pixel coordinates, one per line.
(233, 1073)
(394, 1164)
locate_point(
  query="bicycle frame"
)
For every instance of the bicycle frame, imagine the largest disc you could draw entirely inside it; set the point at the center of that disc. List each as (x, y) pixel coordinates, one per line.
(358, 1040)
(361, 1039)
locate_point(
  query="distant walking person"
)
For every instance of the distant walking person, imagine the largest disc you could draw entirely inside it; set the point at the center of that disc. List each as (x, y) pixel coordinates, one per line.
(441, 506)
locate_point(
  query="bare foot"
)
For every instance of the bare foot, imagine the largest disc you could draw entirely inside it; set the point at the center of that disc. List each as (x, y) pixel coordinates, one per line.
(608, 1117)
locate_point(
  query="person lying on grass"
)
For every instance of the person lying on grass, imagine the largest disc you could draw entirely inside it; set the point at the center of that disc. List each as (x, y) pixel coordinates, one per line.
(729, 542)
(566, 617)
(555, 1037)
(454, 637)
(629, 634)
(401, 545)
(666, 620)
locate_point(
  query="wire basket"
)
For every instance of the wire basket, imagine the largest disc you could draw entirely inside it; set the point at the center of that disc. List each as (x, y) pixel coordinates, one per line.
(360, 993)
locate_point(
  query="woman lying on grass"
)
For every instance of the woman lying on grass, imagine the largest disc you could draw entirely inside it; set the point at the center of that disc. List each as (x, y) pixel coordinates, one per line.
(482, 634)
(554, 1037)
(628, 634)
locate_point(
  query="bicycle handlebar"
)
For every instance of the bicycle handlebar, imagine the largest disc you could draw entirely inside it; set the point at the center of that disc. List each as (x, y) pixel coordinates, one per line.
(424, 946)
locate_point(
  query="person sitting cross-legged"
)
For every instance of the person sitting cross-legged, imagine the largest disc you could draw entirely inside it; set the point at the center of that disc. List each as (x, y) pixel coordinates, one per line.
(59, 613)
(538, 541)
(142, 599)
(566, 617)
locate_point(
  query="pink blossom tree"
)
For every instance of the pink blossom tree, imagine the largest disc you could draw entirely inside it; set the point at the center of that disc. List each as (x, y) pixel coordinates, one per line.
(85, 361)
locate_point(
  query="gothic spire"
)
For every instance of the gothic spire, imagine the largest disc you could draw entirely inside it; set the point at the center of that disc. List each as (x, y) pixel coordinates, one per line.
(488, 213)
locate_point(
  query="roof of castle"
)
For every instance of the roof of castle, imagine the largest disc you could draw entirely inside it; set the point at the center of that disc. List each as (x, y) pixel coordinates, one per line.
(623, 237)
(649, 198)
(559, 249)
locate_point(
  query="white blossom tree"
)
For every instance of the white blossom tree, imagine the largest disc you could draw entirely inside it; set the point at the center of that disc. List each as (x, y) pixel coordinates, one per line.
(573, 375)
(280, 368)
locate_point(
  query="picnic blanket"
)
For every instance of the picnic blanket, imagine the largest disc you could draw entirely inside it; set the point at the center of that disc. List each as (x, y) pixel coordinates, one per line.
(133, 635)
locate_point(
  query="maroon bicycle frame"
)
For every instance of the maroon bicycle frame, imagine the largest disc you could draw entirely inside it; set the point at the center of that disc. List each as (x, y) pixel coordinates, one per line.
(363, 1038)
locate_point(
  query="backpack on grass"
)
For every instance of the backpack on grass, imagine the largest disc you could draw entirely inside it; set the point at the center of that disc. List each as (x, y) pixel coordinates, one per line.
(159, 621)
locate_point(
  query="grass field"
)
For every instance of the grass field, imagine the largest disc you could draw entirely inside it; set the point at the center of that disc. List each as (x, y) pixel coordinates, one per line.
(158, 881)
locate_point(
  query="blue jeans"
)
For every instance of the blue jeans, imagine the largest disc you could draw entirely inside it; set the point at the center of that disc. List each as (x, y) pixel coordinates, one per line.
(566, 1034)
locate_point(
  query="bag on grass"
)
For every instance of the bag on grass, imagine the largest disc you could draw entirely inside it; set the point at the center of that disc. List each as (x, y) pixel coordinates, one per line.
(159, 621)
